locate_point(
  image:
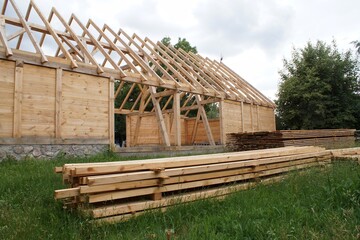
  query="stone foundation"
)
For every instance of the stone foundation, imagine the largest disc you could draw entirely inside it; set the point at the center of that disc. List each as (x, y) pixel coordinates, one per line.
(45, 151)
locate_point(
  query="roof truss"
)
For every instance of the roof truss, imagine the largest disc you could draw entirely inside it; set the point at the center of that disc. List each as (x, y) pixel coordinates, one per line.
(128, 59)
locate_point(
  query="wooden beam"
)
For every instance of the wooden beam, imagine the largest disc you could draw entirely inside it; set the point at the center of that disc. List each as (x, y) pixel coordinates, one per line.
(58, 103)
(180, 72)
(4, 7)
(28, 31)
(164, 93)
(205, 120)
(134, 55)
(136, 101)
(194, 131)
(222, 123)
(127, 96)
(257, 118)
(167, 102)
(177, 119)
(19, 74)
(160, 118)
(97, 44)
(119, 89)
(15, 34)
(53, 34)
(252, 117)
(111, 115)
(116, 49)
(138, 120)
(271, 155)
(160, 59)
(242, 117)
(3, 37)
(80, 43)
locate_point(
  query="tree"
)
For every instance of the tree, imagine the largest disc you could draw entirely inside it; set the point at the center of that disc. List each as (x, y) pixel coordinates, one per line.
(185, 45)
(357, 45)
(319, 88)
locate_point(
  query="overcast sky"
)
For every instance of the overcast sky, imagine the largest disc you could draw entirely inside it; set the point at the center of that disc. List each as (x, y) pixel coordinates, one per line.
(252, 36)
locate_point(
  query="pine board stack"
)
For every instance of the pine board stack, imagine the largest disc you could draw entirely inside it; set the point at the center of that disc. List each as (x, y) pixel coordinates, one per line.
(329, 138)
(346, 153)
(115, 191)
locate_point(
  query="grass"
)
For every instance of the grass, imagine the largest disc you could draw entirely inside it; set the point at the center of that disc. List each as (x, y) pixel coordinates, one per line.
(318, 204)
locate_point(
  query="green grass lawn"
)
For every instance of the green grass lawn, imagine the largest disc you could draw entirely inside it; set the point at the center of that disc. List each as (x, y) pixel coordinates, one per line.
(321, 203)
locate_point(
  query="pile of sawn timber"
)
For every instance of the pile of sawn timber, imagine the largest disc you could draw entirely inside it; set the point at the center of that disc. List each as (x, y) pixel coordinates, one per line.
(329, 138)
(115, 191)
(347, 153)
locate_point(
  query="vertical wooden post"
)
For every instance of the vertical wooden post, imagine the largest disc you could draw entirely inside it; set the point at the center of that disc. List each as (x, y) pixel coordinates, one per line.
(160, 118)
(111, 114)
(242, 117)
(58, 102)
(19, 75)
(205, 120)
(138, 120)
(222, 123)
(257, 117)
(252, 117)
(3, 39)
(177, 119)
(275, 121)
(195, 128)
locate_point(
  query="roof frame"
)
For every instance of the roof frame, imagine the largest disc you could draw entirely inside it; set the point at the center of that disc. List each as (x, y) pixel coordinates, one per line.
(126, 58)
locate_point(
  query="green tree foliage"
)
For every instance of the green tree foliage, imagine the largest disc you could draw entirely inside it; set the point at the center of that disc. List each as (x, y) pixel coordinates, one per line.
(185, 45)
(319, 89)
(357, 45)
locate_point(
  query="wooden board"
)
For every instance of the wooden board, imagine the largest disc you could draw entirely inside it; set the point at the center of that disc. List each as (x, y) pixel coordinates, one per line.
(85, 107)
(114, 189)
(7, 77)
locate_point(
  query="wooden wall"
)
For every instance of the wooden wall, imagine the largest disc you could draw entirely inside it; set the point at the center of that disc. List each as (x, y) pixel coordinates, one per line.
(149, 132)
(236, 117)
(49, 105)
(244, 117)
(7, 79)
(201, 136)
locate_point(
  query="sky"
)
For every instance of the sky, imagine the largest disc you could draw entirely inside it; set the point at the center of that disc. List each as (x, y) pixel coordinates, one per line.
(253, 37)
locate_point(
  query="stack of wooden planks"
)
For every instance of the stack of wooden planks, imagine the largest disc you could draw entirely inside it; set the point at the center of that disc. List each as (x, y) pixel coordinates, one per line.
(115, 191)
(329, 138)
(347, 153)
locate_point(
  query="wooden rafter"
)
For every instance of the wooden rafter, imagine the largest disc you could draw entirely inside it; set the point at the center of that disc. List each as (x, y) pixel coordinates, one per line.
(28, 31)
(3, 38)
(160, 118)
(187, 72)
(205, 120)
(53, 34)
(80, 43)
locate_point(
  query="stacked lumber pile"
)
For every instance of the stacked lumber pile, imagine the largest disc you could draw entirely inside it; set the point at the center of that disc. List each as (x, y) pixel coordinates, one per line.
(329, 138)
(347, 153)
(115, 191)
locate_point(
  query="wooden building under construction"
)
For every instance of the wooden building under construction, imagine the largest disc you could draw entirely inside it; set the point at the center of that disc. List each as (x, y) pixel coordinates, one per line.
(62, 82)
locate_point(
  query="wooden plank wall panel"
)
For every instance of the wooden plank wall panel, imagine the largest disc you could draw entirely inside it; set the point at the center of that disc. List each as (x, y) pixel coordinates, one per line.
(266, 119)
(85, 107)
(149, 132)
(201, 137)
(7, 76)
(172, 130)
(247, 118)
(256, 118)
(232, 117)
(38, 102)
